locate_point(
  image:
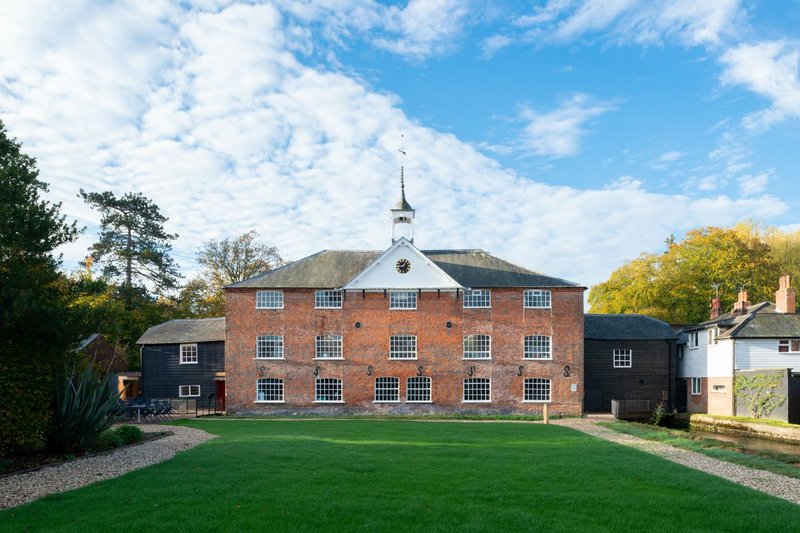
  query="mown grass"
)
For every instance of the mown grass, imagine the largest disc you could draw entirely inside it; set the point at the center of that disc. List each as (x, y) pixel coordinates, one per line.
(372, 475)
(772, 461)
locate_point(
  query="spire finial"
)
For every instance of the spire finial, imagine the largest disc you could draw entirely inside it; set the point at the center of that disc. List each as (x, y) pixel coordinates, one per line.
(402, 150)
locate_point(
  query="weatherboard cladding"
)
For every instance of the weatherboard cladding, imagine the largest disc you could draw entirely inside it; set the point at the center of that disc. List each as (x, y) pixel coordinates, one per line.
(626, 327)
(185, 331)
(334, 268)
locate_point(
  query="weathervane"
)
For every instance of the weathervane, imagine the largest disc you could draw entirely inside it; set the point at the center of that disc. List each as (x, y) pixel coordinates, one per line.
(402, 150)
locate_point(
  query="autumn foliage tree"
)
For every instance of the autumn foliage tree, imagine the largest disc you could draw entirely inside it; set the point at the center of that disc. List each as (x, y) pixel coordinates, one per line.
(678, 284)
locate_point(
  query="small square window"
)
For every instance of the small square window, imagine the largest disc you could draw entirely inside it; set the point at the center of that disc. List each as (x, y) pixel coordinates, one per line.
(477, 298)
(418, 389)
(477, 347)
(538, 347)
(189, 391)
(269, 390)
(328, 390)
(403, 347)
(536, 390)
(477, 390)
(329, 347)
(269, 347)
(328, 299)
(623, 358)
(269, 300)
(387, 390)
(188, 354)
(402, 300)
(535, 298)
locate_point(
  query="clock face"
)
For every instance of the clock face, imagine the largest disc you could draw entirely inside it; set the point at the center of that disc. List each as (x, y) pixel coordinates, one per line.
(403, 266)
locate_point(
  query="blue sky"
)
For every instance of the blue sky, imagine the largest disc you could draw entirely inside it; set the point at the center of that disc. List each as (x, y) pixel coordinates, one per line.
(568, 136)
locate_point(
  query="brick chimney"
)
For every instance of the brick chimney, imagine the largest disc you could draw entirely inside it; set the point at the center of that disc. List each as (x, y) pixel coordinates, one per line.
(716, 308)
(741, 305)
(784, 296)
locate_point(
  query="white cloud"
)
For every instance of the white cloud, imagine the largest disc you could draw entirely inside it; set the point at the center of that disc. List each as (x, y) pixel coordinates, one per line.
(751, 184)
(227, 130)
(558, 133)
(771, 70)
(666, 159)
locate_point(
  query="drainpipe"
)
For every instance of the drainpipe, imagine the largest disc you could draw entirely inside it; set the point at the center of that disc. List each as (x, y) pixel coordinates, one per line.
(733, 379)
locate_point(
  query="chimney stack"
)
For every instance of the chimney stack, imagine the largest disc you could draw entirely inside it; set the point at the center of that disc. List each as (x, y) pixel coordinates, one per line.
(784, 296)
(716, 308)
(741, 305)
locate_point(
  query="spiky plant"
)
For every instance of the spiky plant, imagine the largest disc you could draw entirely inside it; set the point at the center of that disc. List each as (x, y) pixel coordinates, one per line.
(85, 406)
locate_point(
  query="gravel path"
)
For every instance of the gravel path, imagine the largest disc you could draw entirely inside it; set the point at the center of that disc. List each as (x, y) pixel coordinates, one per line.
(774, 484)
(23, 488)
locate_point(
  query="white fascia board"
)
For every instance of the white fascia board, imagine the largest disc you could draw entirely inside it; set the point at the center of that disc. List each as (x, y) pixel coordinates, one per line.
(382, 274)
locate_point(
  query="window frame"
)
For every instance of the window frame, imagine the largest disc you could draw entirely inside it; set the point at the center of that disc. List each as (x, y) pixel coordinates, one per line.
(182, 360)
(319, 340)
(487, 351)
(189, 395)
(788, 343)
(526, 390)
(469, 296)
(396, 338)
(619, 355)
(267, 299)
(475, 381)
(396, 303)
(328, 381)
(694, 340)
(323, 297)
(531, 296)
(526, 351)
(698, 389)
(259, 339)
(273, 381)
(422, 391)
(713, 333)
(391, 387)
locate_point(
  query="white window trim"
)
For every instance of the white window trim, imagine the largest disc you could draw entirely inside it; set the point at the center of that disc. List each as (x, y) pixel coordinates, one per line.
(712, 334)
(537, 401)
(341, 383)
(416, 348)
(485, 358)
(375, 390)
(464, 392)
(340, 358)
(190, 395)
(525, 292)
(196, 354)
(430, 390)
(527, 358)
(699, 386)
(316, 301)
(789, 341)
(697, 340)
(271, 307)
(283, 391)
(416, 301)
(257, 358)
(626, 352)
(478, 306)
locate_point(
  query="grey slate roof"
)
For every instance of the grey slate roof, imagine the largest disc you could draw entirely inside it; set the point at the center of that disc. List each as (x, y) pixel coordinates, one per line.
(762, 321)
(185, 331)
(334, 268)
(626, 327)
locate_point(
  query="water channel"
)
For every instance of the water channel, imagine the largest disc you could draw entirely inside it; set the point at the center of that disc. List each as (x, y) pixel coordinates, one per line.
(752, 443)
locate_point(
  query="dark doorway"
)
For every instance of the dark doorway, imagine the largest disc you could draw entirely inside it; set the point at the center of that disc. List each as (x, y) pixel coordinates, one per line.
(681, 395)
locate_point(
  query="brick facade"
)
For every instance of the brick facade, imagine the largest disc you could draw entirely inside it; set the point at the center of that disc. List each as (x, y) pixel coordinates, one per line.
(439, 351)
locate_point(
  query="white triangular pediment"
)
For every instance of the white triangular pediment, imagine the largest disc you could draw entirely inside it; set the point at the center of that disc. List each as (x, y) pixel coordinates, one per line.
(386, 272)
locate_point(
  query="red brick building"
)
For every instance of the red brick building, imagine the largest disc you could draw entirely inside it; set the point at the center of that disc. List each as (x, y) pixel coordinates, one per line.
(404, 331)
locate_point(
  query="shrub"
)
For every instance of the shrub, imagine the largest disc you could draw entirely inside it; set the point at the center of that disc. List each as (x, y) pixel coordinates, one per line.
(658, 413)
(85, 406)
(108, 440)
(760, 392)
(130, 434)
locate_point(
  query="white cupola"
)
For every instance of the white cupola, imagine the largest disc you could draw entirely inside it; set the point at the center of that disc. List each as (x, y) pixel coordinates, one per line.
(402, 214)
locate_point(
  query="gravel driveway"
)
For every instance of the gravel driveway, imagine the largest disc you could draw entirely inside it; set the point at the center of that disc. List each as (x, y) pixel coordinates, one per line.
(23, 488)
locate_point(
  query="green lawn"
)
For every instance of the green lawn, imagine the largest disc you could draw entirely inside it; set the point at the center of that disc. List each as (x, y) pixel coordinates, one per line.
(369, 475)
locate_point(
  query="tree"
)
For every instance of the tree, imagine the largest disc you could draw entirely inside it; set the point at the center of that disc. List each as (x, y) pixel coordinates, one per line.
(34, 320)
(677, 286)
(225, 262)
(760, 392)
(133, 245)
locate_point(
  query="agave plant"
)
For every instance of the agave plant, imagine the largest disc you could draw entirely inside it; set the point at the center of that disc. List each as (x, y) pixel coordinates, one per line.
(85, 406)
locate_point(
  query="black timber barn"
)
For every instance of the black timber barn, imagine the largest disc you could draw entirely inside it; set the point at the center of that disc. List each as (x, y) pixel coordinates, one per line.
(628, 357)
(184, 359)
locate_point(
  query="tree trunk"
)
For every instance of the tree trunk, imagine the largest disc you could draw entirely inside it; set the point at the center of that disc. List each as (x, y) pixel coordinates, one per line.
(128, 271)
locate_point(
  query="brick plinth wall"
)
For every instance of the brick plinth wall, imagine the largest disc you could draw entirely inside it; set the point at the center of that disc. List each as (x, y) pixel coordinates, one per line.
(439, 351)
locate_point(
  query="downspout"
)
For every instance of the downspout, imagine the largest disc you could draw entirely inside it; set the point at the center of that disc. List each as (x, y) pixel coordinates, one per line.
(733, 379)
